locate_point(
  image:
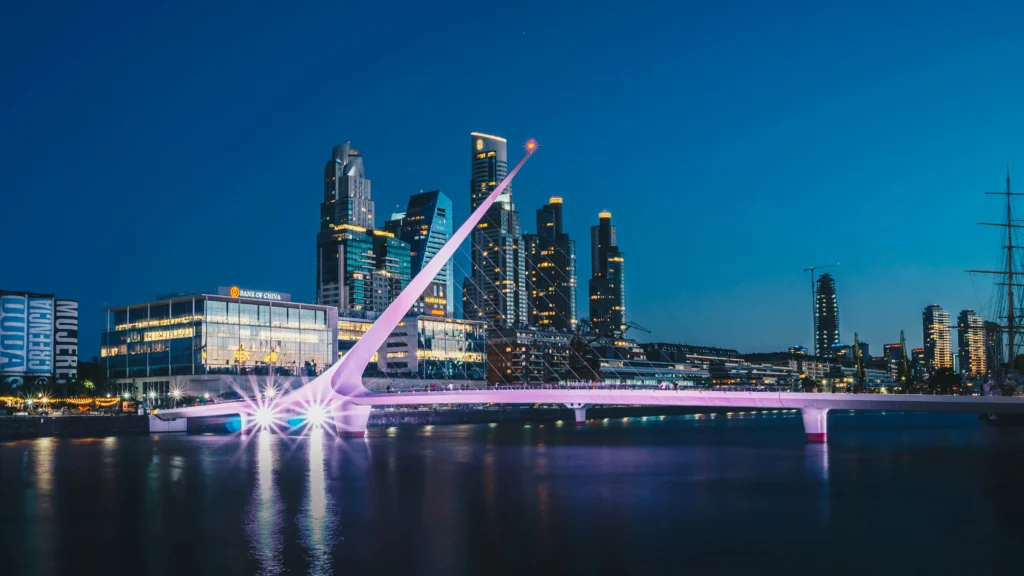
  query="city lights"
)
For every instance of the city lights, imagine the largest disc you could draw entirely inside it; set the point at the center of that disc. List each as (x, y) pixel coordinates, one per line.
(316, 415)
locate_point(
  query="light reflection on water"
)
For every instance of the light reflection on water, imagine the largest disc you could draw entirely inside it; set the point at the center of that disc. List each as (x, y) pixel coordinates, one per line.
(264, 525)
(318, 531)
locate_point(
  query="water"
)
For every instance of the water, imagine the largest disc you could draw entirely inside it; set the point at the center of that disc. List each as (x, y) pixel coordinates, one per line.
(891, 493)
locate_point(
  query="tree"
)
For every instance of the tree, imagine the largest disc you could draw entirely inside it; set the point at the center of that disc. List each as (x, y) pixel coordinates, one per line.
(808, 384)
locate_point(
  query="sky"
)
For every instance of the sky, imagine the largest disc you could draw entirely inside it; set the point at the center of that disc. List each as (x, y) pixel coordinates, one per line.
(157, 147)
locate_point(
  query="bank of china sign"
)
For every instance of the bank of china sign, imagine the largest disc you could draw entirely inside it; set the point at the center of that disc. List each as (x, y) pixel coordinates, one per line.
(236, 292)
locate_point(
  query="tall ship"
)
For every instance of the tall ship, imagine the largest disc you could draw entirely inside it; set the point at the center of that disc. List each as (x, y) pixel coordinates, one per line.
(1003, 332)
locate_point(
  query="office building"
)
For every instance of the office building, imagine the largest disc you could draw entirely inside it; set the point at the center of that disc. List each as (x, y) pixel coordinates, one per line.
(391, 273)
(971, 352)
(38, 342)
(426, 225)
(826, 315)
(359, 269)
(345, 267)
(347, 197)
(440, 351)
(551, 261)
(217, 343)
(495, 290)
(798, 350)
(994, 348)
(892, 353)
(528, 355)
(938, 346)
(608, 279)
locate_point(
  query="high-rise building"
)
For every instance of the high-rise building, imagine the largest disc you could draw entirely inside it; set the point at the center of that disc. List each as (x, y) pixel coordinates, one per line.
(994, 346)
(551, 260)
(608, 279)
(826, 315)
(347, 197)
(495, 291)
(391, 268)
(344, 268)
(892, 353)
(358, 269)
(426, 225)
(970, 331)
(938, 345)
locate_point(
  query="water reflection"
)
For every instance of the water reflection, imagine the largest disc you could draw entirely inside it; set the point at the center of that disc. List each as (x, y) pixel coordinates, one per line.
(318, 528)
(816, 465)
(264, 526)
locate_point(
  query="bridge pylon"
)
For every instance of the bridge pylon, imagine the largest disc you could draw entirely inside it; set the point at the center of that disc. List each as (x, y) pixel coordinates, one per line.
(815, 423)
(581, 412)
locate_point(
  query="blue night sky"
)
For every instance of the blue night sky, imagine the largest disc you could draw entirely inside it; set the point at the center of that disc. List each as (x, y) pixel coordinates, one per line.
(155, 147)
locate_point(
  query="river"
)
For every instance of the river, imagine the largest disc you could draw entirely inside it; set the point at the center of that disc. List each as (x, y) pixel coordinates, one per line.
(890, 493)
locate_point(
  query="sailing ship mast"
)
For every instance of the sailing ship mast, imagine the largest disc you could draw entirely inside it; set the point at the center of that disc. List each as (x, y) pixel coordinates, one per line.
(1011, 327)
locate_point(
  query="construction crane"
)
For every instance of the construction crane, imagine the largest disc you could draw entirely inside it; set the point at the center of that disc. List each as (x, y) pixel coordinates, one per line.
(814, 304)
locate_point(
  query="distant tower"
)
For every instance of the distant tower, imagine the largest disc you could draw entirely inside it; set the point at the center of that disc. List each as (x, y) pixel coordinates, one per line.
(608, 279)
(826, 313)
(938, 345)
(347, 197)
(551, 261)
(426, 225)
(970, 331)
(495, 290)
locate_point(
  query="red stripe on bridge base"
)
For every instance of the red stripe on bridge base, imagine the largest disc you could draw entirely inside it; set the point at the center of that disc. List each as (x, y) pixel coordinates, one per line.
(352, 434)
(581, 423)
(816, 437)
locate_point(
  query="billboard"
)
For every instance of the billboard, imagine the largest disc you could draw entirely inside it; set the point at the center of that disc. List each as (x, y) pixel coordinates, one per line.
(40, 336)
(38, 340)
(65, 327)
(13, 333)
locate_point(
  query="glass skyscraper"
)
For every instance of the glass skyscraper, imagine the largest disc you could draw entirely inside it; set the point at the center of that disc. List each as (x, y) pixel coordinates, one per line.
(551, 257)
(495, 291)
(426, 225)
(359, 269)
(607, 279)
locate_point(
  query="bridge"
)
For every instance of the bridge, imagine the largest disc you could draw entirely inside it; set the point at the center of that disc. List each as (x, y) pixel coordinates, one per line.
(338, 396)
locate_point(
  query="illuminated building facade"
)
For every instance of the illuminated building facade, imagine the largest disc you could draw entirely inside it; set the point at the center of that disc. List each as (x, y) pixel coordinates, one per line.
(551, 263)
(608, 279)
(392, 269)
(994, 346)
(188, 341)
(938, 345)
(970, 330)
(426, 225)
(528, 355)
(495, 290)
(826, 316)
(347, 197)
(433, 348)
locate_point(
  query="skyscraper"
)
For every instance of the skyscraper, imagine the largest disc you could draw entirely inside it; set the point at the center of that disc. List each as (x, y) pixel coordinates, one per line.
(970, 330)
(426, 225)
(607, 279)
(551, 260)
(826, 315)
(358, 268)
(495, 290)
(994, 346)
(938, 345)
(347, 197)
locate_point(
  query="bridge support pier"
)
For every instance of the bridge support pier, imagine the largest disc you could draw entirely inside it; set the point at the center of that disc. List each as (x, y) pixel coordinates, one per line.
(350, 420)
(581, 412)
(815, 424)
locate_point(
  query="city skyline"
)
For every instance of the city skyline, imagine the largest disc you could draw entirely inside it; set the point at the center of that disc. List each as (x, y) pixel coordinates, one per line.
(262, 214)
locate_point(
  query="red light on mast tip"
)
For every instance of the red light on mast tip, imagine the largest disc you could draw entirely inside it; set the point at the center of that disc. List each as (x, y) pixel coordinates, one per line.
(531, 145)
